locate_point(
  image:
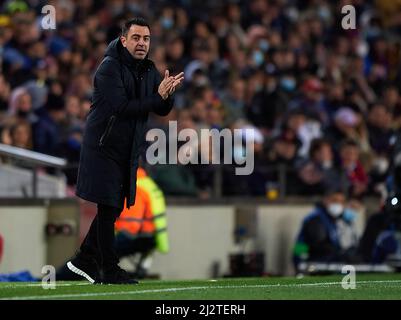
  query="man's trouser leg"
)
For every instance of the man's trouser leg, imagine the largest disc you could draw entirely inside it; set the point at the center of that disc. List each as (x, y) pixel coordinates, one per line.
(99, 242)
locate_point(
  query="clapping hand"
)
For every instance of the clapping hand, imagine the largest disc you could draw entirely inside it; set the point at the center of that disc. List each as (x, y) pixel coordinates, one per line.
(169, 84)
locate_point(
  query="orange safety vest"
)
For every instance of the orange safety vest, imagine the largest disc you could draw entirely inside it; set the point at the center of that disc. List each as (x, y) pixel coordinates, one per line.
(138, 219)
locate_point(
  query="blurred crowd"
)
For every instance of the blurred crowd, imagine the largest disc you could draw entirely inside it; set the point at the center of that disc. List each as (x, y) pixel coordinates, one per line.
(324, 102)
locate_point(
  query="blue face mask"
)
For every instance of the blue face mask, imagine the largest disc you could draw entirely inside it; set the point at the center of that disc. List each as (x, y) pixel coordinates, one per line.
(288, 84)
(324, 13)
(167, 23)
(372, 32)
(258, 58)
(264, 45)
(349, 215)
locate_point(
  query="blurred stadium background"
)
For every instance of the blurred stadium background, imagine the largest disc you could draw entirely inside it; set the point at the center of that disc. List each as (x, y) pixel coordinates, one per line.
(324, 102)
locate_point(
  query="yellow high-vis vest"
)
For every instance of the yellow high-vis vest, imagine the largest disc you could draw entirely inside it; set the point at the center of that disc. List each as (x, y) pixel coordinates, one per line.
(148, 215)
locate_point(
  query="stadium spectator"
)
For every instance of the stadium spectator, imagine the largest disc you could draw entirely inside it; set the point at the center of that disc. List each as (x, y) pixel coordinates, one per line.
(327, 234)
(4, 95)
(392, 99)
(318, 172)
(74, 112)
(18, 134)
(70, 149)
(344, 126)
(175, 54)
(353, 168)
(233, 100)
(20, 107)
(310, 101)
(5, 135)
(380, 129)
(49, 130)
(21, 135)
(380, 241)
(267, 107)
(283, 155)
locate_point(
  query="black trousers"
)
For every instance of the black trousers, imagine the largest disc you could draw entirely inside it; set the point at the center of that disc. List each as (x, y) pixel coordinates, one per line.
(99, 241)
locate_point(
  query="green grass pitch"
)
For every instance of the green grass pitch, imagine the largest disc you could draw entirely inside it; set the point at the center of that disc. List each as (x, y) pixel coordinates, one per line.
(368, 286)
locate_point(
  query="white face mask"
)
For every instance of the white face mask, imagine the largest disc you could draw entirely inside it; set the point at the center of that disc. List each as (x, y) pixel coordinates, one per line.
(327, 164)
(335, 209)
(382, 165)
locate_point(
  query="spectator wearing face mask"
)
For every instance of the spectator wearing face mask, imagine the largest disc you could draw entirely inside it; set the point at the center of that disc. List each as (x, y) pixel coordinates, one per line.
(328, 233)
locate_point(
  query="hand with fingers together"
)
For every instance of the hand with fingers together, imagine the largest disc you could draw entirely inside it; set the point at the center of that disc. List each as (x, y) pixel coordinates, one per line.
(178, 79)
(169, 84)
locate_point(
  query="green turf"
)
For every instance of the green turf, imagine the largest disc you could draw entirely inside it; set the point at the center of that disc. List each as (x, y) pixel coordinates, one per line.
(373, 286)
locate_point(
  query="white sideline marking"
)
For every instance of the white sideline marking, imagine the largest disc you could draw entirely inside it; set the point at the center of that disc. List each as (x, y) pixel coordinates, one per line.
(58, 284)
(112, 293)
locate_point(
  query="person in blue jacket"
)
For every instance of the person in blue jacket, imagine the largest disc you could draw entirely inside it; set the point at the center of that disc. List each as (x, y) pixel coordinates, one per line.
(328, 233)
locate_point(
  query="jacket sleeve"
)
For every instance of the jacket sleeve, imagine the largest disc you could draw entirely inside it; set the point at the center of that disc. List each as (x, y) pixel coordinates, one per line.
(317, 239)
(108, 81)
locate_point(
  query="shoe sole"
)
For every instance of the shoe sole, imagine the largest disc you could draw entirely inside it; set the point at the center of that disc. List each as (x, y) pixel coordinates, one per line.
(79, 272)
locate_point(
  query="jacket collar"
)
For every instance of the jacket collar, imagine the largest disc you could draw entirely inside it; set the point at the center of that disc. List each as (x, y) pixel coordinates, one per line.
(129, 60)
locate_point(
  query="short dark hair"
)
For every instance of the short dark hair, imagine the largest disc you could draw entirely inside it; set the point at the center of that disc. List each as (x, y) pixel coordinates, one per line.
(139, 21)
(378, 104)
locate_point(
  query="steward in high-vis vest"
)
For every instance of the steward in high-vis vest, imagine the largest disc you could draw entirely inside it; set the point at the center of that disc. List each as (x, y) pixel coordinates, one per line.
(143, 227)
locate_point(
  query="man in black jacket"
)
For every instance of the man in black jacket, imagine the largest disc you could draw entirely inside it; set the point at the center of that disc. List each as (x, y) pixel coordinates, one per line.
(127, 86)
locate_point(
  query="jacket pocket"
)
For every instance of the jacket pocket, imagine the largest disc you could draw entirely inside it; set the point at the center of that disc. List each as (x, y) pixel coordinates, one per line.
(106, 132)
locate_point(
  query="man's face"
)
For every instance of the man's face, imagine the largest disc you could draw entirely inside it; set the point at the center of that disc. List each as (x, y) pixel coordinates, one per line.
(58, 115)
(380, 117)
(349, 155)
(137, 41)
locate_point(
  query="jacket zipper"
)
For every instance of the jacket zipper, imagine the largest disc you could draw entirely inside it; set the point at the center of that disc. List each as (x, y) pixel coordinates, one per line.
(106, 133)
